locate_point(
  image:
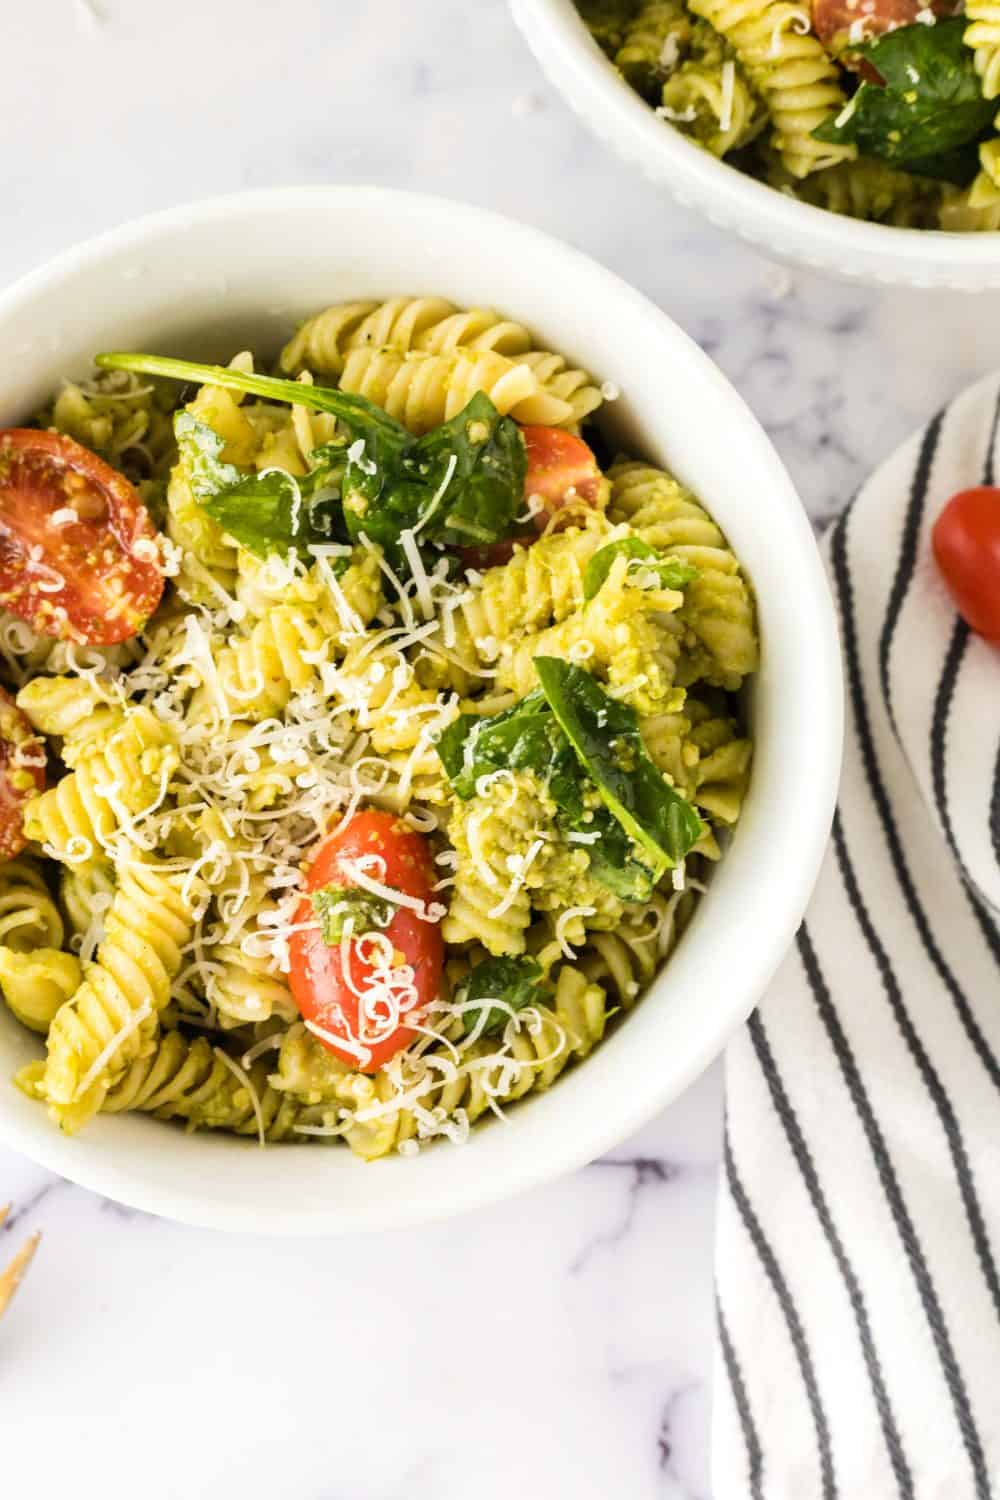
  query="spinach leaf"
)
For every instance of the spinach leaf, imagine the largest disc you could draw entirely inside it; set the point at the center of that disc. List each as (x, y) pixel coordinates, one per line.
(605, 735)
(930, 103)
(671, 571)
(485, 457)
(267, 512)
(614, 858)
(514, 981)
(335, 904)
(528, 737)
(523, 738)
(959, 166)
(461, 482)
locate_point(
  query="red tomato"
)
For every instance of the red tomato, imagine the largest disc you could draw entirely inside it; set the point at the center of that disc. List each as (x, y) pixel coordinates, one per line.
(22, 773)
(78, 556)
(832, 21)
(398, 858)
(966, 541)
(561, 469)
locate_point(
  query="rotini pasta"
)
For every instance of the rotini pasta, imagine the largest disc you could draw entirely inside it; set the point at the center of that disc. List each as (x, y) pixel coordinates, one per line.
(113, 1017)
(346, 843)
(422, 358)
(865, 110)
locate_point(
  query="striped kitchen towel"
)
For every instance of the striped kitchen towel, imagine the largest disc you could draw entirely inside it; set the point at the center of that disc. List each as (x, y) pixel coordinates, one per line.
(858, 1254)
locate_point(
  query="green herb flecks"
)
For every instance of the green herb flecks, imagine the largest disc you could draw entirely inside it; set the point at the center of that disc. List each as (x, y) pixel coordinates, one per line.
(336, 905)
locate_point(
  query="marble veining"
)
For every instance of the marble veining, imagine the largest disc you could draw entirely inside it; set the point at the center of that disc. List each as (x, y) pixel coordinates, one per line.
(558, 1345)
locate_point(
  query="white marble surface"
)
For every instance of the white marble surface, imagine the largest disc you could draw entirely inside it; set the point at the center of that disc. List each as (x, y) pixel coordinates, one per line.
(558, 1346)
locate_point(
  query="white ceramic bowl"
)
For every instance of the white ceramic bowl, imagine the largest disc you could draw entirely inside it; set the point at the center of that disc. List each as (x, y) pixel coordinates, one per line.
(733, 201)
(215, 277)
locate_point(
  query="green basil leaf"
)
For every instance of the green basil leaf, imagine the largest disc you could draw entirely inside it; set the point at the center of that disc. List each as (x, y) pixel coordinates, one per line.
(516, 982)
(463, 482)
(930, 103)
(959, 166)
(526, 737)
(671, 571)
(359, 415)
(614, 858)
(267, 512)
(474, 468)
(335, 904)
(605, 735)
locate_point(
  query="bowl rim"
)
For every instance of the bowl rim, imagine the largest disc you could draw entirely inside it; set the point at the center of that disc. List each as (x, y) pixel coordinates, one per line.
(768, 218)
(803, 844)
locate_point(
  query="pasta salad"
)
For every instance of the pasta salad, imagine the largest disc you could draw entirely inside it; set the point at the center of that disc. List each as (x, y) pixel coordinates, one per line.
(367, 739)
(884, 110)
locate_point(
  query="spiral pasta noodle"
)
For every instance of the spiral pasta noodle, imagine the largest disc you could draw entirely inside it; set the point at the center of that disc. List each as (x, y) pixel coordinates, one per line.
(387, 1110)
(983, 36)
(714, 103)
(717, 607)
(797, 79)
(29, 916)
(113, 1017)
(36, 984)
(499, 836)
(35, 976)
(114, 783)
(422, 390)
(429, 324)
(193, 1081)
(421, 358)
(652, 43)
(868, 189)
(622, 632)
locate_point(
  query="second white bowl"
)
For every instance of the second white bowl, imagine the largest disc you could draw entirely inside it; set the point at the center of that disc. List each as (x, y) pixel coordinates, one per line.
(795, 231)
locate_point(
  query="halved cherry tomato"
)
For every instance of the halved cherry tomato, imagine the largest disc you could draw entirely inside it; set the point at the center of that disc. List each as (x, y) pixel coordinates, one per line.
(833, 19)
(22, 773)
(966, 540)
(354, 1005)
(78, 556)
(561, 470)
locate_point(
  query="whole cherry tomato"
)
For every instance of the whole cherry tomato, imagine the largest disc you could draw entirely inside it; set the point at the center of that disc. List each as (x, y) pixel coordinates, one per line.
(966, 541)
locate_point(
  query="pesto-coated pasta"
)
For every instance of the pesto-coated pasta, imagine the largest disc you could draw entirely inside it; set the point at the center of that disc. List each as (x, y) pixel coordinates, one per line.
(341, 846)
(862, 109)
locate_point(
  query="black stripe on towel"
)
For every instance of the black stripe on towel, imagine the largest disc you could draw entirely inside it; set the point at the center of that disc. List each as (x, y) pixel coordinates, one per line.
(785, 1111)
(939, 729)
(928, 1073)
(989, 463)
(793, 1322)
(981, 908)
(755, 1454)
(845, 591)
(995, 810)
(901, 1216)
(907, 554)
